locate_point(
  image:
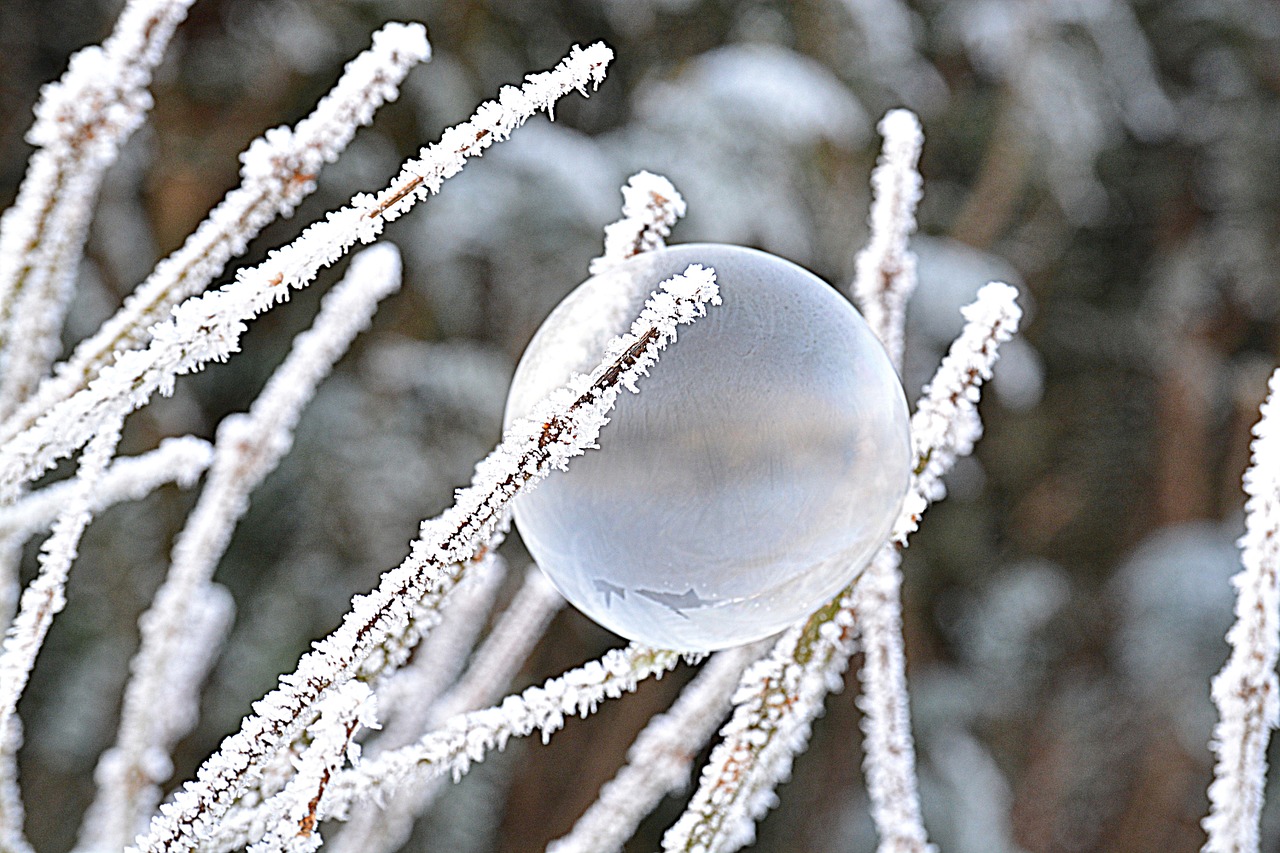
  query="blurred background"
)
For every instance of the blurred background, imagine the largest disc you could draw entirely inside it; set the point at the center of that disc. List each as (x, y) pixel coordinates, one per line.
(1065, 605)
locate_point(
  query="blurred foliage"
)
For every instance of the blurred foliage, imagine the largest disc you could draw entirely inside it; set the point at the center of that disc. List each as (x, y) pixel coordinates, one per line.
(1065, 606)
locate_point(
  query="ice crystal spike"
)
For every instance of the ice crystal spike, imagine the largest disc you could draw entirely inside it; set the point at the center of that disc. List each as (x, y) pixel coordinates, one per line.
(752, 479)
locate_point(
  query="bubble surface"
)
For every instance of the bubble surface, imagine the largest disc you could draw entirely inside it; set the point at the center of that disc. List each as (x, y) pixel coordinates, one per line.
(757, 471)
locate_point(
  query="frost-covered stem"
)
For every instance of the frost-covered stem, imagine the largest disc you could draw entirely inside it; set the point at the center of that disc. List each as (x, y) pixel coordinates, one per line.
(890, 756)
(12, 839)
(186, 622)
(884, 282)
(1246, 690)
(405, 699)
(81, 122)
(659, 760)
(779, 697)
(467, 738)
(279, 170)
(176, 460)
(886, 268)
(208, 327)
(296, 811)
(496, 662)
(946, 424)
(650, 206)
(45, 596)
(562, 426)
(775, 704)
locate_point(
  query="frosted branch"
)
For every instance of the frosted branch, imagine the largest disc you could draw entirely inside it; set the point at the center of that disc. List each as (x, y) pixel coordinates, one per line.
(208, 327)
(890, 754)
(561, 427)
(886, 268)
(1246, 690)
(660, 759)
(304, 802)
(779, 697)
(45, 596)
(175, 460)
(946, 425)
(279, 170)
(188, 618)
(467, 738)
(497, 661)
(776, 702)
(650, 206)
(81, 122)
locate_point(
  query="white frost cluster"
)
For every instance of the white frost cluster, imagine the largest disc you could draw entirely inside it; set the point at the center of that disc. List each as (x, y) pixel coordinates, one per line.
(776, 702)
(886, 269)
(303, 803)
(650, 207)
(1246, 691)
(81, 122)
(658, 761)
(208, 327)
(467, 738)
(946, 425)
(279, 170)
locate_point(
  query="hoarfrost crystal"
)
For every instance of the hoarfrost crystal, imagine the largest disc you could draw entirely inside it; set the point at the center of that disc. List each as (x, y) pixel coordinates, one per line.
(761, 468)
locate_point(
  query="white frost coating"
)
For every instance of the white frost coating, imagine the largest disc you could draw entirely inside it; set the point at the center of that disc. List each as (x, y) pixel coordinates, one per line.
(279, 170)
(1246, 690)
(175, 460)
(176, 636)
(467, 738)
(565, 425)
(659, 760)
(650, 206)
(299, 808)
(81, 122)
(45, 596)
(946, 424)
(775, 703)
(886, 268)
(208, 327)
(497, 661)
(890, 755)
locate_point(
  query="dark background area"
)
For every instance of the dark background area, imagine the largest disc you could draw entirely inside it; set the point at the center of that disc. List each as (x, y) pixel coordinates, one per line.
(1065, 605)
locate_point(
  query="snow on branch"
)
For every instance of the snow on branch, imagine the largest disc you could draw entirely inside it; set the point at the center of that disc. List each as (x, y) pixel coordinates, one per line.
(497, 661)
(775, 703)
(779, 697)
(303, 803)
(650, 206)
(279, 170)
(189, 616)
(81, 122)
(946, 424)
(659, 760)
(467, 738)
(564, 425)
(1246, 691)
(45, 596)
(208, 327)
(890, 752)
(886, 268)
(176, 460)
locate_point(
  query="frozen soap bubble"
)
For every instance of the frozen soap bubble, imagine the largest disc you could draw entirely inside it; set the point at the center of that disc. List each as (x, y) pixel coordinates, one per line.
(757, 471)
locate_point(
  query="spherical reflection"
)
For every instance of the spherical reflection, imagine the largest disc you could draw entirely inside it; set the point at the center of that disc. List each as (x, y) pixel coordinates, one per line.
(758, 469)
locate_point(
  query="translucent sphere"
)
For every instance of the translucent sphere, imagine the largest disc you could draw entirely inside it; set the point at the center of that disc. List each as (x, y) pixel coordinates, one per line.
(757, 471)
